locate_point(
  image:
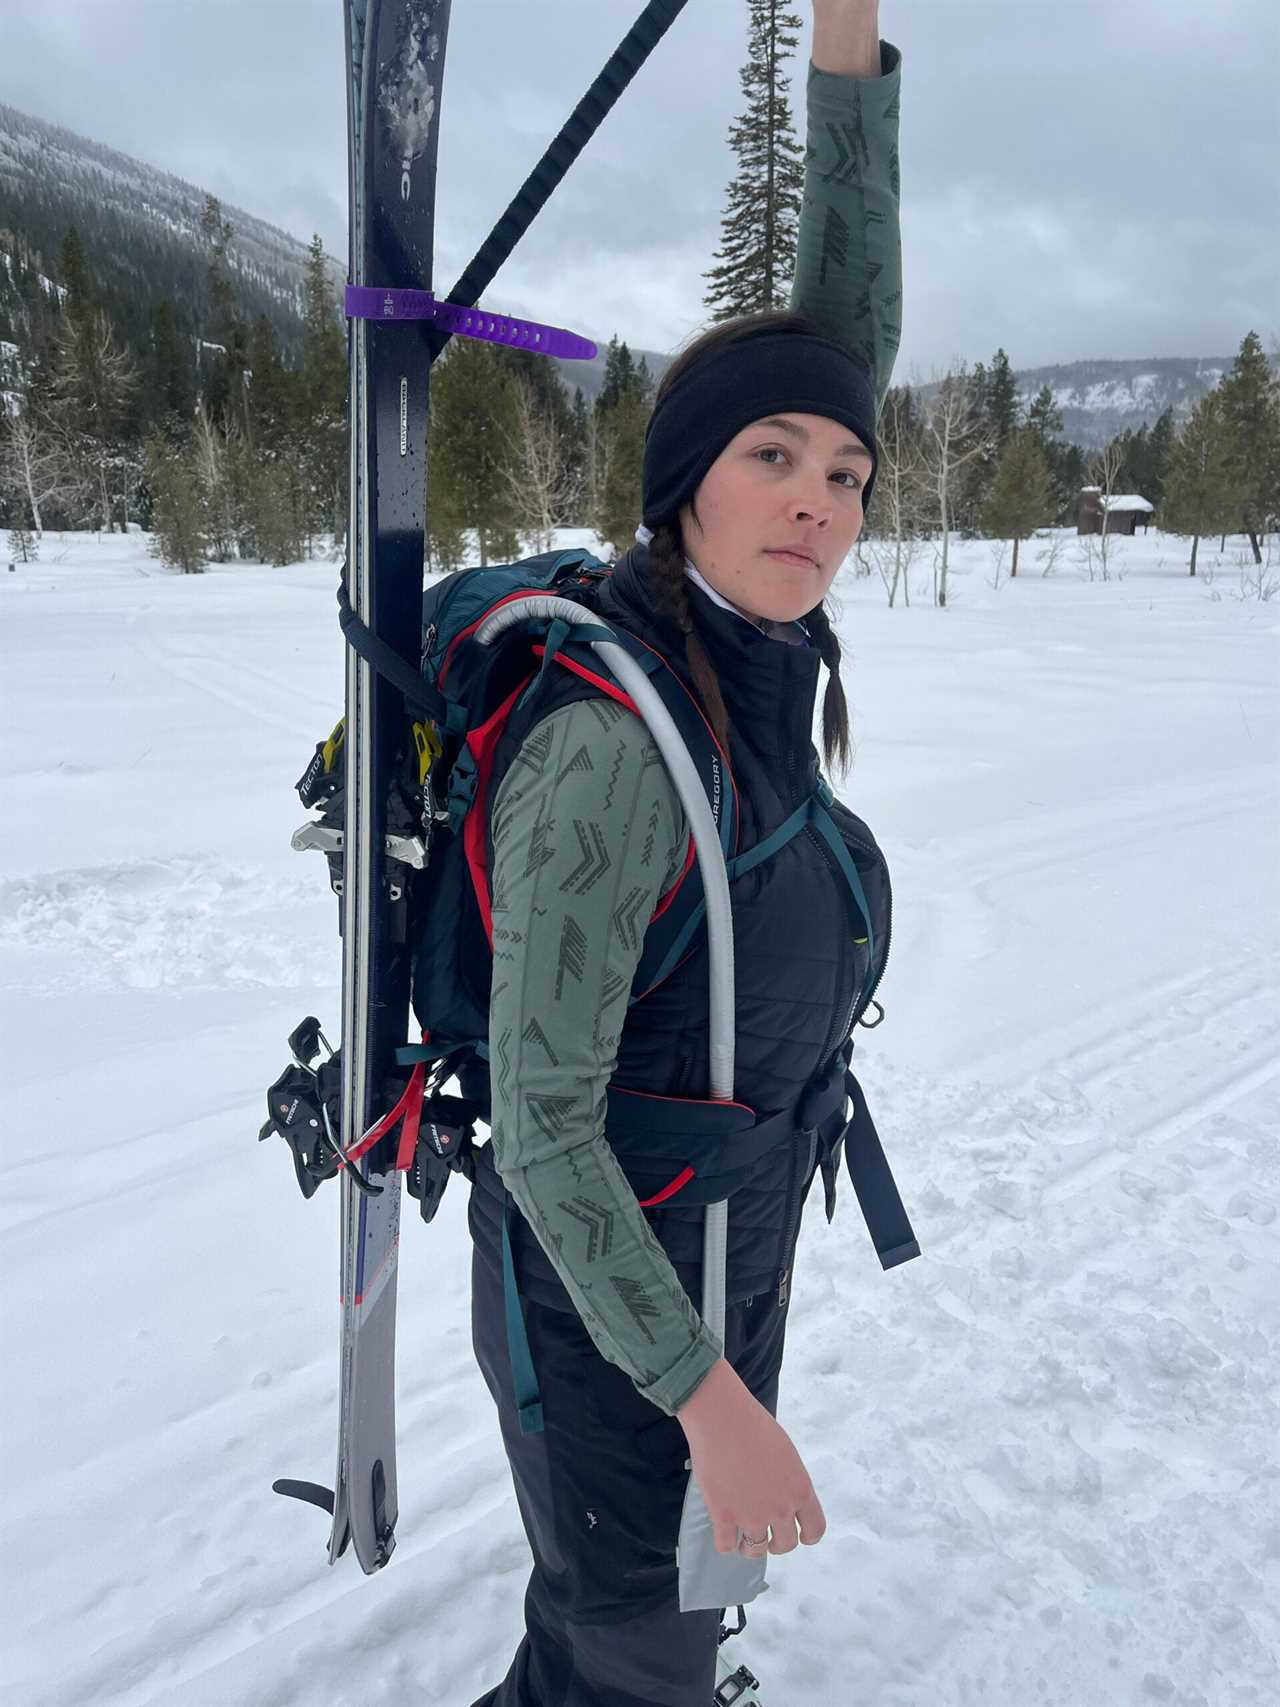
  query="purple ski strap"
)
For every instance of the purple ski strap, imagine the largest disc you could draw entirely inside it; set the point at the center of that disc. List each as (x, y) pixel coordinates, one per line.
(370, 302)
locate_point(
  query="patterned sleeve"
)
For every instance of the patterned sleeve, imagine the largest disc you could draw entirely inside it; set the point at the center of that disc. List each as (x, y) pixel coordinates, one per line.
(849, 249)
(588, 833)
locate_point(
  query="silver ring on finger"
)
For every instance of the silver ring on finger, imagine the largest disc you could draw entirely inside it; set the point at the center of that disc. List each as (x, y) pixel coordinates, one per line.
(756, 1540)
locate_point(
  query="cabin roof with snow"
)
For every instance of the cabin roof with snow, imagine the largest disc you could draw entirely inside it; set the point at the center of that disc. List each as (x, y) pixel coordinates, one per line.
(1130, 501)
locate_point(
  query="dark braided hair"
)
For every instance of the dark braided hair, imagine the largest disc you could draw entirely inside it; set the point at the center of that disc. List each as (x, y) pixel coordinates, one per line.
(671, 594)
(837, 748)
(667, 557)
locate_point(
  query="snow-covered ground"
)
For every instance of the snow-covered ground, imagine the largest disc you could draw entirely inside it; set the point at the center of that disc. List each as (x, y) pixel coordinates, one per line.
(1047, 1451)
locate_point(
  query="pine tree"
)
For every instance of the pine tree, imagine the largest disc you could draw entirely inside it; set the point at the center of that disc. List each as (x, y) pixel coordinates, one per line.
(277, 482)
(1160, 442)
(1066, 461)
(1021, 497)
(275, 510)
(321, 426)
(761, 223)
(1044, 416)
(1199, 495)
(168, 385)
(1002, 401)
(271, 392)
(620, 377)
(1132, 448)
(473, 420)
(1070, 474)
(78, 340)
(179, 511)
(226, 385)
(621, 487)
(616, 448)
(994, 402)
(80, 299)
(969, 490)
(1251, 416)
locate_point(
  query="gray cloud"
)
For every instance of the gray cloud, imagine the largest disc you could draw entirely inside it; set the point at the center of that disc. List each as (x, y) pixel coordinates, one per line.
(1088, 181)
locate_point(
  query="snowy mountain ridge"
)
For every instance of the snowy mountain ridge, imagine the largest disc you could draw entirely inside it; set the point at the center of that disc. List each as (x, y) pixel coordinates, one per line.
(142, 227)
(1099, 399)
(86, 180)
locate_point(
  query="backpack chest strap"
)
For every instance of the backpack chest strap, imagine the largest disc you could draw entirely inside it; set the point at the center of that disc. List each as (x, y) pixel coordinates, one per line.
(813, 811)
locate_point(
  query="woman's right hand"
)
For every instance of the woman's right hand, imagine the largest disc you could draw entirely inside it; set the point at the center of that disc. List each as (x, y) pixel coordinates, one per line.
(752, 1478)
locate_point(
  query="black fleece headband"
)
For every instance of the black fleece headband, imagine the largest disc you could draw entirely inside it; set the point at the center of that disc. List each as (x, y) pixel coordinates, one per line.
(774, 373)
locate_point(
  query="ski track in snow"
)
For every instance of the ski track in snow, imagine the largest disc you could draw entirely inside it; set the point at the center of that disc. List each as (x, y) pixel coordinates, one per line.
(1047, 1451)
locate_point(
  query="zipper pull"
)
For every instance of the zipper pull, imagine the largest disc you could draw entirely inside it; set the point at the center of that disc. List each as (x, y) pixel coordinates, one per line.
(784, 1288)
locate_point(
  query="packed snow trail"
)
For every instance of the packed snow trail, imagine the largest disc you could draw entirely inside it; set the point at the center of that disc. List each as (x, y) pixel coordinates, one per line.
(1046, 1452)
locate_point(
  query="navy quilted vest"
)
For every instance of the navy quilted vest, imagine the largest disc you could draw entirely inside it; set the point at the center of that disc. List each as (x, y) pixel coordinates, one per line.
(798, 969)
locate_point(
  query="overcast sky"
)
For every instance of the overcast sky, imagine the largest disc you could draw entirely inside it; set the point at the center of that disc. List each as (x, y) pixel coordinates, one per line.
(1096, 179)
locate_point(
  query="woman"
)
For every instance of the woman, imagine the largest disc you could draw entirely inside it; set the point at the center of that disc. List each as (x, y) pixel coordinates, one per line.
(759, 459)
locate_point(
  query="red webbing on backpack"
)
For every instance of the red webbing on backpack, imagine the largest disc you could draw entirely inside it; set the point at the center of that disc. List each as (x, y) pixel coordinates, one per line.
(483, 742)
(410, 1108)
(678, 1184)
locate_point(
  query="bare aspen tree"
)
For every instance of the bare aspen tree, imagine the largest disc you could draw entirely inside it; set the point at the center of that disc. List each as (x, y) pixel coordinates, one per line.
(210, 454)
(952, 438)
(93, 381)
(36, 467)
(1104, 472)
(595, 466)
(900, 478)
(541, 485)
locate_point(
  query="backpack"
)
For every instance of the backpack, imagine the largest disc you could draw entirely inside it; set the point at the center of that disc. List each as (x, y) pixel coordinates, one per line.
(456, 709)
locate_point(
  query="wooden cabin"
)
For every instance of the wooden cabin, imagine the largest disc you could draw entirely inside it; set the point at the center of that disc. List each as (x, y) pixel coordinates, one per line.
(1124, 513)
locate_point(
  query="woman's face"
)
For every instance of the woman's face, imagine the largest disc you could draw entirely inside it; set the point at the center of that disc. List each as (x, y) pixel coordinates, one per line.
(785, 481)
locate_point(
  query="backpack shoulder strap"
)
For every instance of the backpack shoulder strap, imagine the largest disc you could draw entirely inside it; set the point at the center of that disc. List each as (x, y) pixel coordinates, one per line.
(673, 929)
(450, 609)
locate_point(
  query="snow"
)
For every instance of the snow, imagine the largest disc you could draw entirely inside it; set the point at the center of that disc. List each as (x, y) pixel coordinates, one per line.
(1125, 392)
(1047, 1450)
(1130, 501)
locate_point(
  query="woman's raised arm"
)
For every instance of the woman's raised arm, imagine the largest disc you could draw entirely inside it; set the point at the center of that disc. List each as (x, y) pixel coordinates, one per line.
(849, 253)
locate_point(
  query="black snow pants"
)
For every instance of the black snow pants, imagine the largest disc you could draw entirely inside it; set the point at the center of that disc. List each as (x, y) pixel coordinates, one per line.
(600, 1495)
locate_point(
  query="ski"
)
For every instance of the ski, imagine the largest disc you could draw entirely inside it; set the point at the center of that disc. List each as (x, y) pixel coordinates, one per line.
(337, 1111)
(395, 52)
